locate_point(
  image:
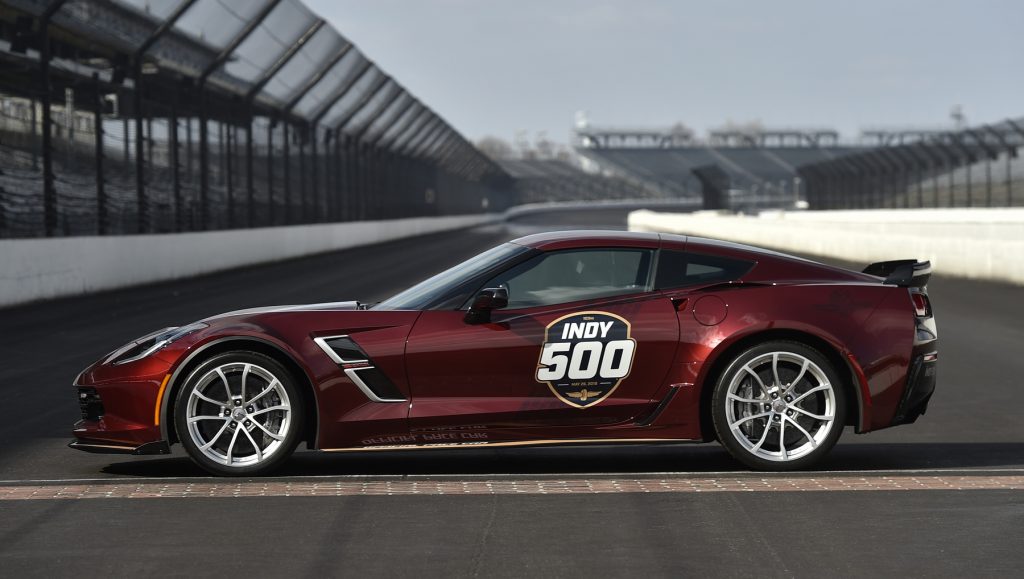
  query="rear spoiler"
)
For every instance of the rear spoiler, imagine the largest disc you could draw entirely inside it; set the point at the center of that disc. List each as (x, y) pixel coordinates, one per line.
(902, 272)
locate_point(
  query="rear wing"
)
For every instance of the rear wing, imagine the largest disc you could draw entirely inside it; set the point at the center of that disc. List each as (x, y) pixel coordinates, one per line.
(902, 272)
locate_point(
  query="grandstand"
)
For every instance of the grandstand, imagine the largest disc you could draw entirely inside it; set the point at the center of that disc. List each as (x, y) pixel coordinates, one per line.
(778, 168)
(761, 167)
(545, 180)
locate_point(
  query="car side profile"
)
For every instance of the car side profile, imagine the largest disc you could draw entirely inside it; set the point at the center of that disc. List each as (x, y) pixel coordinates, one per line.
(574, 337)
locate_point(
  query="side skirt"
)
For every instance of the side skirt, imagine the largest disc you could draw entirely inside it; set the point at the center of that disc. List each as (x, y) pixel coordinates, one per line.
(525, 443)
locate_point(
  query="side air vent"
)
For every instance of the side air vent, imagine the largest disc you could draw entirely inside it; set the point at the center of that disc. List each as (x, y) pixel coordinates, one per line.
(341, 349)
(375, 384)
(359, 368)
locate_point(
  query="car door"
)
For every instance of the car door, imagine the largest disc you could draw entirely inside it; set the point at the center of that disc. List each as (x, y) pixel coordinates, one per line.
(582, 342)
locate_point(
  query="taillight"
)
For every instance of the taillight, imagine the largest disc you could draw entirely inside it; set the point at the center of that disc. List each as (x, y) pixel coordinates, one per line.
(922, 307)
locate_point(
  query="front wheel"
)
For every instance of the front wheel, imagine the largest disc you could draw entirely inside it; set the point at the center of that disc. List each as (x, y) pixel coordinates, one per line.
(239, 413)
(779, 406)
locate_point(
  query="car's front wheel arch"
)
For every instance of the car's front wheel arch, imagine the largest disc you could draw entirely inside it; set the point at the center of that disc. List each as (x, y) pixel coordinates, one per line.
(229, 344)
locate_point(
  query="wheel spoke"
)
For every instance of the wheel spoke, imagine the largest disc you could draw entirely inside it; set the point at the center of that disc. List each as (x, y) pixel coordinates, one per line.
(245, 375)
(227, 387)
(270, 409)
(206, 446)
(749, 418)
(806, 434)
(814, 416)
(764, 437)
(231, 445)
(732, 396)
(775, 369)
(818, 388)
(259, 452)
(198, 418)
(268, 433)
(202, 396)
(782, 440)
(266, 391)
(756, 377)
(803, 370)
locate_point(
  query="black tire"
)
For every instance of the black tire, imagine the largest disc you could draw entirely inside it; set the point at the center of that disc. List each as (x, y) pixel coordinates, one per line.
(259, 423)
(767, 447)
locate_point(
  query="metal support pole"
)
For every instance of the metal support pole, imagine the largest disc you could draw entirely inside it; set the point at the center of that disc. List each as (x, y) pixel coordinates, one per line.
(338, 175)
(49, 188)
(270, 173)
(97, 123)
(313, 189)
(302, 176)
(346, 193)
(188, 148)
(287, 182)
(328, 204)
(35, 124)
(140, 157)
(204, 165)
(227, 153)
(988, 182)
(1009, 179)
(250, 194)
(172, 129)
(127, 136)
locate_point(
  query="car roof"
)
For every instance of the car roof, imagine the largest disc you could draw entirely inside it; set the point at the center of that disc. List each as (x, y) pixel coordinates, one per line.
(780, 265)
(590, 238)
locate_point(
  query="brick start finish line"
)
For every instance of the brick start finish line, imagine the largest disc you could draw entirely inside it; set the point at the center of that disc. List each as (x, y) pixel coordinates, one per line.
(338, 488)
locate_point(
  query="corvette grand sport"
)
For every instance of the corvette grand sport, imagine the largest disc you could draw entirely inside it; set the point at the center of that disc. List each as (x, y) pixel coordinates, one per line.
(557, 338)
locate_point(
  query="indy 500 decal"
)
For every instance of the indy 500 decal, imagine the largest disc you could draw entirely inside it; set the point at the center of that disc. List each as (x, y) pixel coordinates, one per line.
(585, 356)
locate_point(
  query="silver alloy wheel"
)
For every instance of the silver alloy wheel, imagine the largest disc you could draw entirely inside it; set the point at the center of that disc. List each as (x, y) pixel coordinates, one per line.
(238, 414)
(780, 406)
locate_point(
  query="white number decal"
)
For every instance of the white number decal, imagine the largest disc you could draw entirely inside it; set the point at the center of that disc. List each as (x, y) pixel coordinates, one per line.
(612, 360)
(592, 351)
(609, 368)
(553, 363)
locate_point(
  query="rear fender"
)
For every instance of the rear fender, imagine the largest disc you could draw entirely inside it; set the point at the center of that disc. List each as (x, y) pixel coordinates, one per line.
(829, 345)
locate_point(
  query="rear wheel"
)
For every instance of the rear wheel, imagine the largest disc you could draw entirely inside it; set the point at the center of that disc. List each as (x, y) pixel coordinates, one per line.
(779, 406)
(239, 413)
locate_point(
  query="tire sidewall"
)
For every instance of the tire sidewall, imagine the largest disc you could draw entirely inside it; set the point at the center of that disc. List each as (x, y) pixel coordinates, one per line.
(719, 400)
(296, 420)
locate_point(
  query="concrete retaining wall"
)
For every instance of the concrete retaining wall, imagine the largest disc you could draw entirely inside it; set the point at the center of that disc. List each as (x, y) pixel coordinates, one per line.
(974, 243)
(36, 269)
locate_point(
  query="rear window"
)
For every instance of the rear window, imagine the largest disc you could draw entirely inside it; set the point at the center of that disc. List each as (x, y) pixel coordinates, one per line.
(679, 269)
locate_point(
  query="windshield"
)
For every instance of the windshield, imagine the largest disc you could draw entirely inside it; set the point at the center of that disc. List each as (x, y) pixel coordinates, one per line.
(427, 292)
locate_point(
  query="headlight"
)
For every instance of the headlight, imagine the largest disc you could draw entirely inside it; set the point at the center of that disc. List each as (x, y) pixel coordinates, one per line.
(150, 343)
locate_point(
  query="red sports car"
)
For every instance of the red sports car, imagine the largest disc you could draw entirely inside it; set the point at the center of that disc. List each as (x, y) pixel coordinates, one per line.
(558, 338)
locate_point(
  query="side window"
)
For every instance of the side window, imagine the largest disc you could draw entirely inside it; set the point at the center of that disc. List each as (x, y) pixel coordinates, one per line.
(678, 269)
(568, 276)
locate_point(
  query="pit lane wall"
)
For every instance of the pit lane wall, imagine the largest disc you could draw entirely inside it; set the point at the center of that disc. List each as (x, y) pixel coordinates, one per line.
(977, 243)
(38, 269)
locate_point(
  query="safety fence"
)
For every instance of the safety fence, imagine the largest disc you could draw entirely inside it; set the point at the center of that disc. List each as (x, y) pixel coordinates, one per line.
(124, 116)
(976, 167)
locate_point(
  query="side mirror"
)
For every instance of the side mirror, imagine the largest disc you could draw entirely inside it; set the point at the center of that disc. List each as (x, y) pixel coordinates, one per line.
(488, 299)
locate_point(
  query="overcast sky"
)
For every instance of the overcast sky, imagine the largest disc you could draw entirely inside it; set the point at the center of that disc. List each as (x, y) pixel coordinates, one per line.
(493, 68)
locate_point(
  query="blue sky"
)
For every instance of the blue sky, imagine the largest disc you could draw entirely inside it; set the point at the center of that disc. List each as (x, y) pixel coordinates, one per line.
(494, 68)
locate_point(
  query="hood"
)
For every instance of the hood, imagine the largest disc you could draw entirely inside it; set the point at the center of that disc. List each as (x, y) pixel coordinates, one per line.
(327, 306)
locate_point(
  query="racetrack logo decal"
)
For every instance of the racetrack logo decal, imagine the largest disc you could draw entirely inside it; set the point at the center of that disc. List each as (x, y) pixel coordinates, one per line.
(585, 356)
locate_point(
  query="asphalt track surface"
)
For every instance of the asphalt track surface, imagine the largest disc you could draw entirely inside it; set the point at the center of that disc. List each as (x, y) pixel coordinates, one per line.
(972, 430)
